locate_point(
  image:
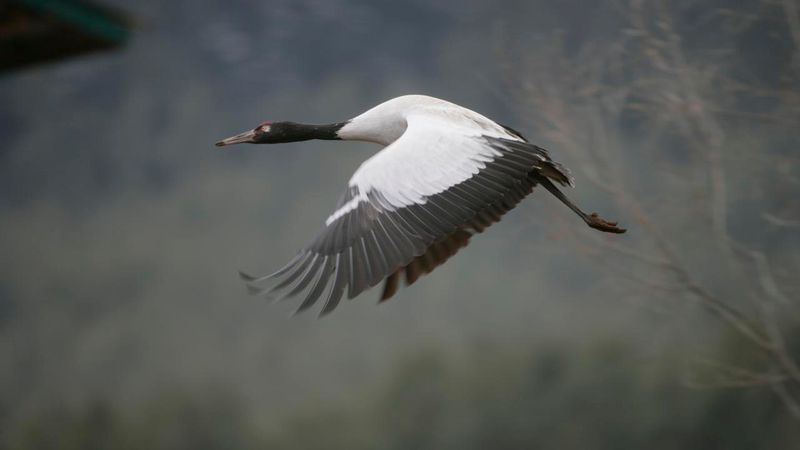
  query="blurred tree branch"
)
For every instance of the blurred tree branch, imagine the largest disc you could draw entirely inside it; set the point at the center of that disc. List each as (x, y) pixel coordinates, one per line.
(651, 89)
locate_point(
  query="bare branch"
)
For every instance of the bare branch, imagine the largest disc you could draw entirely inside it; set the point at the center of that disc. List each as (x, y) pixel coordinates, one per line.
(728, 376)
(792, 405)
(772, 219)
(583, 103)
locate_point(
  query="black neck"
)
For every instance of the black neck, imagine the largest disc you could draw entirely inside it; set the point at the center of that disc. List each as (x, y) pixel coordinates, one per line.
(294, 132)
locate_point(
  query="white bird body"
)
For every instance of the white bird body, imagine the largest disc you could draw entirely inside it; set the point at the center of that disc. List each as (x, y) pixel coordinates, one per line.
(385, 123)
(430, 144)
(446, 172)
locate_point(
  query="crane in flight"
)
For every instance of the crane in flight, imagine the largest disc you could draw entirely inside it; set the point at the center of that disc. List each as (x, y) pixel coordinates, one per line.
(445, 173)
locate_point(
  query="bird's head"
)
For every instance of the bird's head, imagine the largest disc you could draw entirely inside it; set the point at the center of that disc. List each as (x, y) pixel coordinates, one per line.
(280, 132)
(266, 133)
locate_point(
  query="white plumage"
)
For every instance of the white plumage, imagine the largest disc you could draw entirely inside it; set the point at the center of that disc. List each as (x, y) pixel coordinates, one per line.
(430, 156)
(446, 172)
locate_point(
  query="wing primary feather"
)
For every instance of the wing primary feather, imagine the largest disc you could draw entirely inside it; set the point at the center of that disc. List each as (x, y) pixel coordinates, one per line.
(358, 275)
(380, 268)
(525, 162)
(341, 242)
(545, 167)
(319, 286)
(333, 235)
(339, 284)
(411, 230)
(246, 276)
(480, 188)
(312, 271)
(426, 232)
(279, 272)
(408, 245)
(493, 179)
(522, 155)
(430, 219)
(418, 238)
(364, 259)
(476, 198)
(444, 211)
(526, 148)
(299, 270)
(391, 250)
(351, 230)
(458, 194)
(510, 171)
(455, 212)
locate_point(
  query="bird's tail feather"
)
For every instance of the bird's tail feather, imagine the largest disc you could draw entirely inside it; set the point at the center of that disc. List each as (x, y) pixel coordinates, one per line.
(557, 173)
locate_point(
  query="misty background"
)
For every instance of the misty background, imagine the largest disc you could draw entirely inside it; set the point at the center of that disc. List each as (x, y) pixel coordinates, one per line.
(123, 323)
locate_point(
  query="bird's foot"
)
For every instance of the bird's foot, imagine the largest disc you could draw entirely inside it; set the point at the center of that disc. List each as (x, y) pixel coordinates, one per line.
(598, 223)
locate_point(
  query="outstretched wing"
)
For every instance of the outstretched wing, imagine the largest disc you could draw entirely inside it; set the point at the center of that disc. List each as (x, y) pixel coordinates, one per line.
(410, 207)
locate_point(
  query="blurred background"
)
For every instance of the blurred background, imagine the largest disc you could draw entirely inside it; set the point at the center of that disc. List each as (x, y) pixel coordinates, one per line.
(123, 323)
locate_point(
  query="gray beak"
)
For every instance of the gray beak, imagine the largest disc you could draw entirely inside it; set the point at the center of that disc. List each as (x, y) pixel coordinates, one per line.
(247, 136)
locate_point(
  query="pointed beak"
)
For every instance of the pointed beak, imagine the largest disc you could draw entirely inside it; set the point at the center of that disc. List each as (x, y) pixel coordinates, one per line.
(247, 136)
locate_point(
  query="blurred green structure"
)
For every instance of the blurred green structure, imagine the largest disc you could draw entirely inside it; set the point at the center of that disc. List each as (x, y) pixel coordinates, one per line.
(37, 31)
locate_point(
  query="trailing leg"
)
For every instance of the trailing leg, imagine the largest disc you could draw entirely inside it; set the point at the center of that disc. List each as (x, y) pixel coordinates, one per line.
(593, 220)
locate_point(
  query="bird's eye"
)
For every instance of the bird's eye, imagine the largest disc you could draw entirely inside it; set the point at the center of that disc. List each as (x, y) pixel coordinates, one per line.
(264, 127)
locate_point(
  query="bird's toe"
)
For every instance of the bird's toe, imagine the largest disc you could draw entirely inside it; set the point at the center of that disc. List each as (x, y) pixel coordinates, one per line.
(598, 223)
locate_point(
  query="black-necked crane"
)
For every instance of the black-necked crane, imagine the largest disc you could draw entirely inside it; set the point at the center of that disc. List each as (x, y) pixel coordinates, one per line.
(444, 174)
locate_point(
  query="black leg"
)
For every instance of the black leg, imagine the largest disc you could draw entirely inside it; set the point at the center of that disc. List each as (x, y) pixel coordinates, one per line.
(593, 220)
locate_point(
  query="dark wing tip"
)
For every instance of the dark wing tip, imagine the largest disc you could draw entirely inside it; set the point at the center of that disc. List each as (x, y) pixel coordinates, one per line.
(325, 311)
(390, 287)
(246, 277)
